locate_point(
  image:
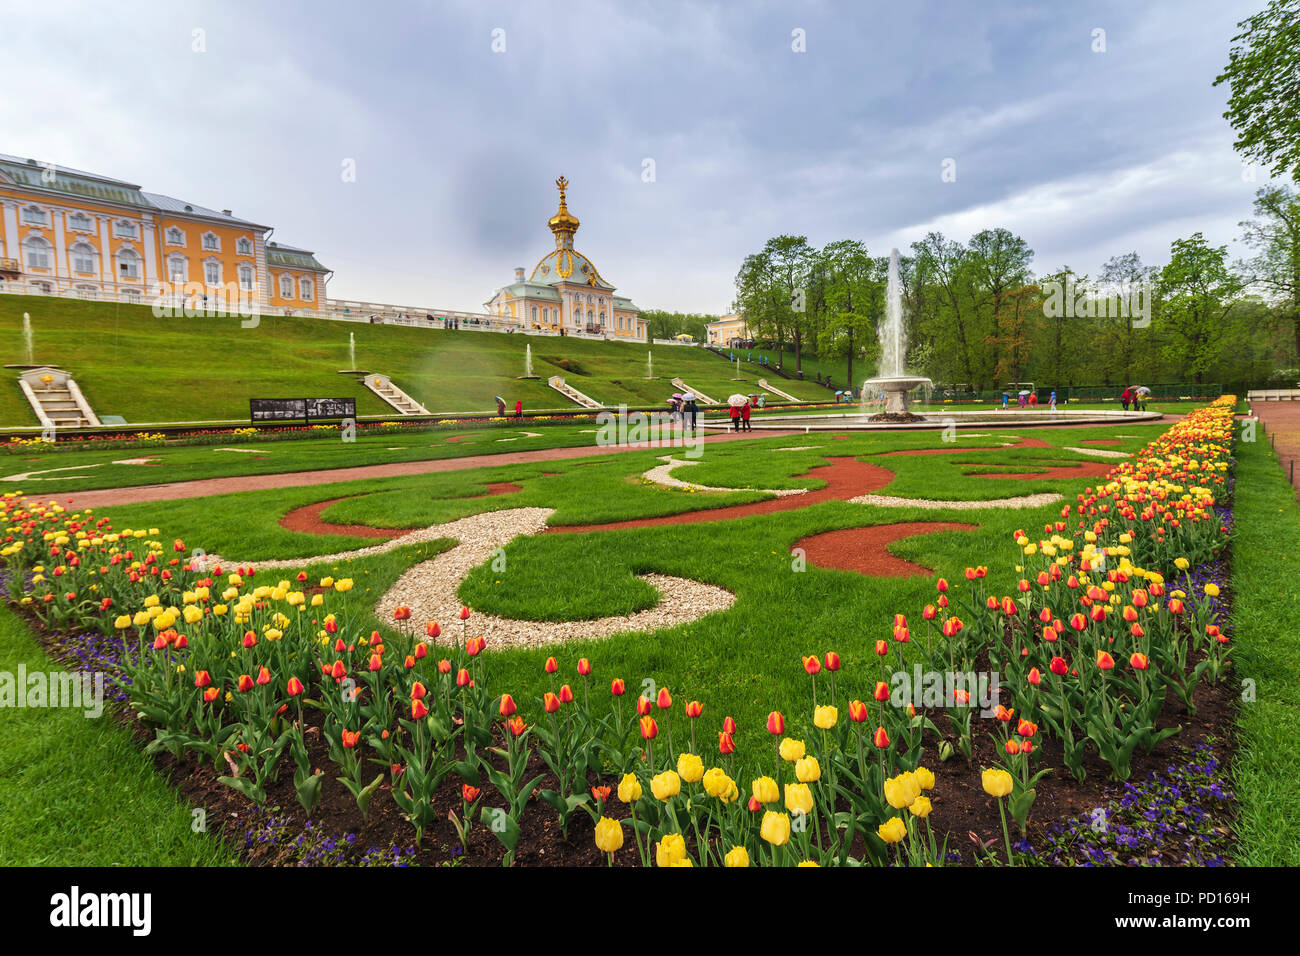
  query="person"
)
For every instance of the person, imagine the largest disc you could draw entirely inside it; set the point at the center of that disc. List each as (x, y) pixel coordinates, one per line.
(1140, 396)
(1125, 397)
(689, 410)
(1052, 400)
(519, 408)
(734, 412)
(744, 416)
(1006, 399)
(1033, 399)
(501, 406)
(1021, 399)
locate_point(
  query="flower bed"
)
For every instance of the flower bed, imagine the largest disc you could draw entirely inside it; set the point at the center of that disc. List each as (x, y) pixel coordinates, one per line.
(267, 691)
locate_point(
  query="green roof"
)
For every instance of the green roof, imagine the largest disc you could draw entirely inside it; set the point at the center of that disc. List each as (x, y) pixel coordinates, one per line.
(287, 257)
(33, 175)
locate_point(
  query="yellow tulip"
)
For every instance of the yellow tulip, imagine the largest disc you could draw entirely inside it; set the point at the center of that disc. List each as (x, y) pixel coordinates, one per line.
(629, 788)
(690, 767)
(892, 830)
(901, 791)
(671, 850)
(717, 783)
(997, 782)
(791, 750)
(809, 863)
(737, 856)
(765, 790)
(775, 828)
(825, 717)
(666, 785)
(1212, 589)
(921, 808)
(807, 770)
(798, 798)
(609, 835)
(925, 778)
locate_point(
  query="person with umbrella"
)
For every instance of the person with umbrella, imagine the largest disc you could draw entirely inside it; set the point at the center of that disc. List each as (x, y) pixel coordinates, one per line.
(734, 411)
(689, 409)
(745, 412)
(1140, 396)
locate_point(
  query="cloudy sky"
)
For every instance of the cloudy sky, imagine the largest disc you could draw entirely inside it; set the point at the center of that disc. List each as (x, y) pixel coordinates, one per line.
(690, 132)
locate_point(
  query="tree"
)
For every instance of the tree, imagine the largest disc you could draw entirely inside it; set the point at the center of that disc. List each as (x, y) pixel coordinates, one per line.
(1000, 263)
(1118, 339)
(853, 297)
(1276, 270)
(1197, 290)
(1263, 76)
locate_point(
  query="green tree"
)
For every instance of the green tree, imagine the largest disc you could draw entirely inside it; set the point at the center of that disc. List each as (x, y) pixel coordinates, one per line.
(1263, 77)
(1197, 291)
(853, 296)
(1276, 237)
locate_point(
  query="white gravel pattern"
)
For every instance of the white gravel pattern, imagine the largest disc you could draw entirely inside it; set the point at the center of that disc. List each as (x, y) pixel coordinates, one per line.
(930, 504)
(1099, 452)
(660, 475)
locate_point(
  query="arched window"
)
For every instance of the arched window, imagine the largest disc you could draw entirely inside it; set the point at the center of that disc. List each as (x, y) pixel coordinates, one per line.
(178, 269)
(36, 253)
(128, 264)
(87, 292)
(534, 313)
(286, 287)
(83, 258)
(306, 288)
(211, 243)
(36, 216)
(175, 237)
(125, 229)
(244, 247)
(212, 271)
(80, 222)
(246, 277)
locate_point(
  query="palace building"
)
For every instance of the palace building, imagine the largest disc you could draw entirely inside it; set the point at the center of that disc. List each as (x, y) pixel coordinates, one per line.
(565, 292)
(68, 232)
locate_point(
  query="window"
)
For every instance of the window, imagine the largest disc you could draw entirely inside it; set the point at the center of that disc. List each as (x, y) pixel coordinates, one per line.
(131, 294)
(36, 252)
(211, 243)
(246, 277)
(178, 269)
(128, 264)
(244, 247)
(305, 288)
(125, 229)
(80, 222)
(212, 272)
(45, 288)
(87, 292)
(175, 237)
(534, 313)
(83, 259)
(286, 287)
(35, 216)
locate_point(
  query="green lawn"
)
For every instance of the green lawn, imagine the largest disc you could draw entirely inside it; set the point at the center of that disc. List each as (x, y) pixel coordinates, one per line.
(1266, 582)
(78, 791)
(148, 369)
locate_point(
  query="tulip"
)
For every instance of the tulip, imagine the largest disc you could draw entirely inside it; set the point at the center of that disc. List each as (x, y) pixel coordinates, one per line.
(775, 828)
(807, 770)
(775, 723)
(1034, 677)
(791, 750)
(462, 678)
(350, 738)
(812, 664)
(469, 794)
(921, 808)
(245, 683)
(881, 692)
(1059, 667)
(924, 777)
(507, 705)
(617, 687)
(203, 679)
(881, 739)
(893, 830)
(736, 856)
(1026, 728)
(551, 666)
(671, 850)
(694, 708)
(666, 785)
(997, 782)
(1138, 662)
(764, 790)
(833, 659)
(690, 767)
(418, 691)
(857, 711)
(825, 717)
(649, 729)
(726, 744)
(418, 710)
(798, 798)
(882, 648)
(665, 700)
(566, 694)
(516, 725)
(464, 614)
(643, 706)
(1105, 661)
(550, 703)
(901, 791)
(584, 667)
(629, 788)
(432, 630)
(609, 835)
(729, 725)
(1011, 747)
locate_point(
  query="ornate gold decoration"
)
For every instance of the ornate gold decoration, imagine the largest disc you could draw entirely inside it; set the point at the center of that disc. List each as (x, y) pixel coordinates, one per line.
(563, 224)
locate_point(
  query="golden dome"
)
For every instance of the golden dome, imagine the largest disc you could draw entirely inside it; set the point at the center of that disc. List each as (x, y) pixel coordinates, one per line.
(564, 224)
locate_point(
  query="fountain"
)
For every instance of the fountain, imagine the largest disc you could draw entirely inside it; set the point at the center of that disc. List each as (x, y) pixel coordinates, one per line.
(649, 365)
(352, 358)
(528, 361)
(893, 381)
(27, 336)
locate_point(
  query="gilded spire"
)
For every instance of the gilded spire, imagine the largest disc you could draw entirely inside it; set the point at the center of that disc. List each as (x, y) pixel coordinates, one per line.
(563, 224)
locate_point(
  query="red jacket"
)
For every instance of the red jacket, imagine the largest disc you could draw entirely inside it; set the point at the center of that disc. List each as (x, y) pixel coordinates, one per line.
(744, 412)
(734, 411)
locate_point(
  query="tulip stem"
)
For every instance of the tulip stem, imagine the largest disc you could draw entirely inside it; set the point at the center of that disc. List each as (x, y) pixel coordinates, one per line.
(1006, 834)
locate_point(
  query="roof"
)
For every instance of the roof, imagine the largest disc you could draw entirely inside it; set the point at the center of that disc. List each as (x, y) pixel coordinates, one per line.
(568, 265)
(33, 175)
(291, 257)
(180, 206)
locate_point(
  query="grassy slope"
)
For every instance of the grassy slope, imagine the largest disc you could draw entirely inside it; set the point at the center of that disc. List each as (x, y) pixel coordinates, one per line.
(1266, 579)
(79, 792)
(147, 369)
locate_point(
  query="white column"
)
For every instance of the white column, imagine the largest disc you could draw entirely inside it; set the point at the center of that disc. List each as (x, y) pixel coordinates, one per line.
(106, 250)
(60, 254)
(147, 239)
(13, 249)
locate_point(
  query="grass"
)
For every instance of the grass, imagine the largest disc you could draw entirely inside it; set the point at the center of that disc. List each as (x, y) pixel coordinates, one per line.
(130, 363)
(76, 791)
(1265, 572)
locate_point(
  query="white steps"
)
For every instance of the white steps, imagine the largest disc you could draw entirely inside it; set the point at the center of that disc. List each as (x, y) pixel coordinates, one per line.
(572, 394)
(56, 398)
(762, 383)
(696, 392)
(400, 402)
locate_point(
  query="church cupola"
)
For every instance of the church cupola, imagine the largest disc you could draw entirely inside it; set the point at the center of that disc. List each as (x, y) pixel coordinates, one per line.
(564, 224)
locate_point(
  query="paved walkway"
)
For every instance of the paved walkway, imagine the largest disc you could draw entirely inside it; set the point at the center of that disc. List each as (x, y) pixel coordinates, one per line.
(1281, 422)
(205, 487)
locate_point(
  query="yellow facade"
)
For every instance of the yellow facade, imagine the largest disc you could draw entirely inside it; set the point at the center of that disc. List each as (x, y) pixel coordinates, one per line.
(727, 329)
(67, 232)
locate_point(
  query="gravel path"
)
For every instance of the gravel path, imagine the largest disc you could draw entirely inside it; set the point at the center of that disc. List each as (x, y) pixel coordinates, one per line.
(661, 475)
(429, 588)
(930, 504)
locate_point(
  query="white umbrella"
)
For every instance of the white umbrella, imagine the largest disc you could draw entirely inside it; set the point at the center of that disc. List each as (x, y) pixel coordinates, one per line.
(688, 396)
(1024, 391)
(737, 399)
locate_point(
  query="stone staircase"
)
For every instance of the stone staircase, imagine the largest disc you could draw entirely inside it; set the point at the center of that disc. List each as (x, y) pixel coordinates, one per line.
(762, 383)
(56, 398)
(677, 382)
(572, 394)
(401, 402)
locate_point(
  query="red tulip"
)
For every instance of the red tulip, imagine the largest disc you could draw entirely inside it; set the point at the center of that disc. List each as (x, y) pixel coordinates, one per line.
(245, 683)
(469, 794)
(643, 706)
(729, 725)
(617, 687)
(726, 745)
(566, 694)
(1105, 661)
(263, 676)
(832, 661)
(1026, 728)
(550, 703)
(665, 701)
(295, 687)
(812, 665)
(882, 691)
(507, 705)
(464, 614)
(418, 710)
(1059, 667)
(584, 667)
(857, 711)
(350, 738)
(1139, 662)
(202, 679)
(432, 630)
(462, 678)
(694, 708)
(775, 723)
(1034, 678)
(649, 729)
(418, 691)
(880, 738)
(551, 666)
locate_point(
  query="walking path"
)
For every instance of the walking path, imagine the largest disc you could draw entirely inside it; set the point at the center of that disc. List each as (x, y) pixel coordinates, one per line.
(1281, 422)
